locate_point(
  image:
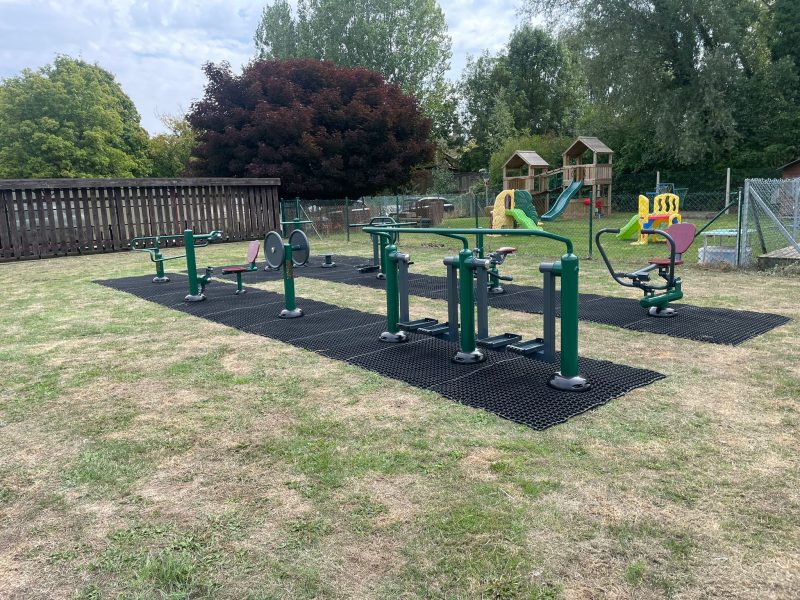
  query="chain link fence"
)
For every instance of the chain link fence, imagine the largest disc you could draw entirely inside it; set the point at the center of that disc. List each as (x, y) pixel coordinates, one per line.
(770, 223)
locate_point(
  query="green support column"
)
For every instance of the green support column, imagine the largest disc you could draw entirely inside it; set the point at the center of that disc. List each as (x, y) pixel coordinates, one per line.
(290, 310)
(158, 258)
(191, 267)
(392, 333)
(468, 352)
(569, 379)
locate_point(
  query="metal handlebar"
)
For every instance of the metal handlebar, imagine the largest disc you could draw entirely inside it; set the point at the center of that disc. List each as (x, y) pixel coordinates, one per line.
(635, 281)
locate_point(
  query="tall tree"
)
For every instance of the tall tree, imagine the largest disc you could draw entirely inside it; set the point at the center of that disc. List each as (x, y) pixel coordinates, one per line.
(171, 152)
(669, 78)
(69, 119)
(405, 40)
(326, 131)
(534, 86)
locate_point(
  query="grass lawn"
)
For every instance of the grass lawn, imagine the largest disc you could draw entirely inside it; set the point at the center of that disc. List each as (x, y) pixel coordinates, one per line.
(150, 454)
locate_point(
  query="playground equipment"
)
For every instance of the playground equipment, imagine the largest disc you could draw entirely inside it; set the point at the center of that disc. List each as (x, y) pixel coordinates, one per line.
(514, 207)
(562, 201)
(377, 243)
(467, 291)
(656, 296)
(252, 256)
(665, 212)
(190, 242)
(588, 162)
(288, 255)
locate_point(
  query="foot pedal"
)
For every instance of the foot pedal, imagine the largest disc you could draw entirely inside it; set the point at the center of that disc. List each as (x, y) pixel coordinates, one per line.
(435, 330)
(498, 342)
(367, 268)
(527, 347)
(414, 325)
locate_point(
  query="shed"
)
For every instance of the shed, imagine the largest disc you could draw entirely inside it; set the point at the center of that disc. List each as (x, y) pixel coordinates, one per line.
(790, 170)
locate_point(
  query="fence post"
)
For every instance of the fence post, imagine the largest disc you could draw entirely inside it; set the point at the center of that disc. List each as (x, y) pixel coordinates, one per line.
(739, 231)
(347, 217)
(728, 191)
(658, 179)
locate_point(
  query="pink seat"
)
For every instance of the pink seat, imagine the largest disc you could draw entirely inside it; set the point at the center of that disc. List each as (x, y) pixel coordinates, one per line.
(683, 236)
(252, 255)
(506, 250)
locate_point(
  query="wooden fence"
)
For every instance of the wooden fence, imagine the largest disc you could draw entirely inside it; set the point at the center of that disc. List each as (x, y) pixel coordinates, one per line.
(40, 218)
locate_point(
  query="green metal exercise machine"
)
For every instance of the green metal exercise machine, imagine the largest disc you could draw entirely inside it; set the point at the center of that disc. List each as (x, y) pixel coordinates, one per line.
(379, 242)
(657, 296)
(191, 241)
(288, 255)
(467, 287)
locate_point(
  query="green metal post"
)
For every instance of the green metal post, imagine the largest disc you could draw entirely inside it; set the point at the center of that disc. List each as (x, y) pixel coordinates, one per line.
(393, 334)
(159, 263)
(466, 299)
(191, 263)
(383, 243)
(569, 315)
(392, 290)
(288, 279)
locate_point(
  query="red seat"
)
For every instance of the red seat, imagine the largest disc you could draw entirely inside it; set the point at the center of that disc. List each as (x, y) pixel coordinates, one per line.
(683, 236)
(252, 256)
(663, 262)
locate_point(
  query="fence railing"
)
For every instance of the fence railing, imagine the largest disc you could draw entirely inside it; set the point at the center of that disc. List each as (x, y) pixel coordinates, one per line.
(40, 218)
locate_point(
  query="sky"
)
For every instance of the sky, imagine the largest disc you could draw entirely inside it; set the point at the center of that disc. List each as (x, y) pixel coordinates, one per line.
(156, 48)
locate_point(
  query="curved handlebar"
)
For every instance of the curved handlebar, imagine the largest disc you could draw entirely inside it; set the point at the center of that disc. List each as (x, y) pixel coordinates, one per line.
(619, 276)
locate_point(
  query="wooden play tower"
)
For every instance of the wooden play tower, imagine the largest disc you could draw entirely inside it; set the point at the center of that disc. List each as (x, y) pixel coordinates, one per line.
(587, 159)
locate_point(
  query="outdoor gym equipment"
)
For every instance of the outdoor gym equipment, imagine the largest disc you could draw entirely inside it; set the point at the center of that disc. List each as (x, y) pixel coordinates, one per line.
(292, 254)
(467, 288)
(378, 243)
(679, 237)
(190, 242)
(252, 257)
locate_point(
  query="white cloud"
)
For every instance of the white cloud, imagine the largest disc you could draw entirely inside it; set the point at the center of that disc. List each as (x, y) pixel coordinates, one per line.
(156, 47)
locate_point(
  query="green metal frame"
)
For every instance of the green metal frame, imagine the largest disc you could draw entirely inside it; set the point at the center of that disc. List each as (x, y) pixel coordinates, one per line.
(190, 243)
(567, 269)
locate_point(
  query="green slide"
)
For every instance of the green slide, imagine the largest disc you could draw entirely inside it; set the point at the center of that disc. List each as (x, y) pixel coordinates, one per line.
(631, 229)
(522, 219)
(563, 200)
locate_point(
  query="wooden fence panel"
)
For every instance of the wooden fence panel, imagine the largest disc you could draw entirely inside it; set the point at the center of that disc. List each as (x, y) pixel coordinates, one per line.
(59, 217)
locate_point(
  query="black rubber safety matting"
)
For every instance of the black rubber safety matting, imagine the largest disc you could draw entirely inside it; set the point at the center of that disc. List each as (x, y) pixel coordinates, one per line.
(510, 386)
(702, 324)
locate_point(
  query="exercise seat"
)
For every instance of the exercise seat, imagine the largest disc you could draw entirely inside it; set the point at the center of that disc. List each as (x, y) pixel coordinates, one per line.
(505, 250)
(252, 256)
(683, 236)
(664, 262)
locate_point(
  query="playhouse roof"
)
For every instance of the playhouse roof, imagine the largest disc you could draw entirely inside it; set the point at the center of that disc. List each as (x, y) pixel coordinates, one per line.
(584, 143)
(527, 157)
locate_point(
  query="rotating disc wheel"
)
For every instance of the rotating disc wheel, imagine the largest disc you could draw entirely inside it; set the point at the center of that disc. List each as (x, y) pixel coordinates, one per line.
(301, 249)
(274, 253)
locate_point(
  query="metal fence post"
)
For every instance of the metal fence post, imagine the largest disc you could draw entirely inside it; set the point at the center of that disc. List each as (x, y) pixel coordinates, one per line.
(347, 217)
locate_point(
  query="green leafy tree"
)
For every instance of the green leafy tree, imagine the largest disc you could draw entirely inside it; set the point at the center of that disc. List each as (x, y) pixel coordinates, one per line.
(786, 30)
(171, 152)
(444, 181)
(69, 119)
(683, 82)
(405, 40)
(534, 86)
